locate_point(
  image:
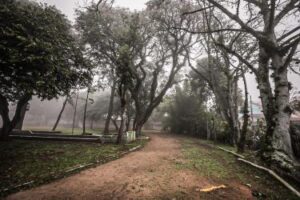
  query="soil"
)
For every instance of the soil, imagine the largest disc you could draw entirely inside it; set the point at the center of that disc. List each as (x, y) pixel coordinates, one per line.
(149, 173)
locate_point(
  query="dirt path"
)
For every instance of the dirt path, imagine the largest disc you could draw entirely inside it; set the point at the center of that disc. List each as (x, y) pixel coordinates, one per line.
(146, 174)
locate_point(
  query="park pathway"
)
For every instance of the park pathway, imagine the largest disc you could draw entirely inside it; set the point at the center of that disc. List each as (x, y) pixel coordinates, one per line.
(149, 173)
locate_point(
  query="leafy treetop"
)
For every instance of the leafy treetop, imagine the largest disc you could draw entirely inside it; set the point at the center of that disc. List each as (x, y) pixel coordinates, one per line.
(38, 52)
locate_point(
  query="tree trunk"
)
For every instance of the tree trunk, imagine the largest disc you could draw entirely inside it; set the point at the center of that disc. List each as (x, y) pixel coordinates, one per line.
(207, 130)
(84, 113)
(236, 111)
(122, 94)
(138, 130)
(242, 139)
(19, 125)
(214, 130)
(120, 132)
(74, 115)
(6, 124)
(115, 123)
(281, 139)
(9, 125)
(60, 113)
(110, 108)
(127, 123)
(266, 96)
(277, 111)
(134, 122)
(232, 131)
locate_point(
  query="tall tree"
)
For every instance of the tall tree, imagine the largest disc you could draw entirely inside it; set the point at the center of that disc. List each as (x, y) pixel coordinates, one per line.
(263, 21)
(60, 113)
(110, 107)
(242, 139)
(38, 56)
(114, 41)
(171, 49)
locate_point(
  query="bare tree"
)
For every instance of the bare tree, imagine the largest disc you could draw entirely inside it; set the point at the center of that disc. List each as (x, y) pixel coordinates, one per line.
(263, 21)
(60, 113)
(110, 107)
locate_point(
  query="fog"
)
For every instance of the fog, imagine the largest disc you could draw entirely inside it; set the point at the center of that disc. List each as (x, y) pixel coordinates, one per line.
(43, 114)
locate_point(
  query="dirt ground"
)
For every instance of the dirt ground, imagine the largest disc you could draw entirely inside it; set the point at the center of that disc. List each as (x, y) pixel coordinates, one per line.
(149, 173)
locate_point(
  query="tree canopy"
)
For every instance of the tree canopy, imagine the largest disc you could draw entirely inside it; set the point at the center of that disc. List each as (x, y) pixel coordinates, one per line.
(38, 52)
(39, 56)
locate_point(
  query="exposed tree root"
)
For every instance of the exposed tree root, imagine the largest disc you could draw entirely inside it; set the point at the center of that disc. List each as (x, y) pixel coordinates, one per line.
(236, 154)
(272, 173)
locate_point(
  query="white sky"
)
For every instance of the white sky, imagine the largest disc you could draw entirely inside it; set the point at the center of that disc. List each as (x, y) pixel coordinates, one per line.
(68, 6)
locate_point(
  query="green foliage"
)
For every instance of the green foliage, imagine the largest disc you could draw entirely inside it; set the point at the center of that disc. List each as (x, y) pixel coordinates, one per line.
(113, 39)
(187, 113)
(38, 52)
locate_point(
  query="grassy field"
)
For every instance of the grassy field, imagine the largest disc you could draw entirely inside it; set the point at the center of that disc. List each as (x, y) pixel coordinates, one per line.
(42, 161)
(224, 167)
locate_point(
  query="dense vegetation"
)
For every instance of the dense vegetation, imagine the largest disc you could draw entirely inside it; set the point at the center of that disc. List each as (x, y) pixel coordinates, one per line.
(39, 56)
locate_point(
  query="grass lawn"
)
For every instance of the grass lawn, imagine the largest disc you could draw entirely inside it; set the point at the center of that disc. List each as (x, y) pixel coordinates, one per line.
(223, 167)
(24, 161)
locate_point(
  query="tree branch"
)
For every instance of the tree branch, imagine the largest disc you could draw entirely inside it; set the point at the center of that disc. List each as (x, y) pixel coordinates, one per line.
(255, 34)
(290, 6)
(291, 54)
(243, 60)
(195, 11)
(293, 41)
(289, 33)
(272, 15)
(254, 2)
(210, 31)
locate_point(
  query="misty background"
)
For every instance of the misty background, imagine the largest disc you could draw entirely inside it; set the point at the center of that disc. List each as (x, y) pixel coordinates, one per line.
(44, 113)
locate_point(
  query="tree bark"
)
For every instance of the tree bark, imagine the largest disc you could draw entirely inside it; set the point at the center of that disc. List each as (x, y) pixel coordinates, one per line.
(5, 120)
(138, 130)
(242, 139)
(110, 108)
(122, 89)
(281, 139)
(9, 125)
(84, 113)
(207, 130)
(115, 123)
(236, 111)
(19, 125)
(60, 114)
(74, 115)
(120, 132)
(127, 124)
(266, 95)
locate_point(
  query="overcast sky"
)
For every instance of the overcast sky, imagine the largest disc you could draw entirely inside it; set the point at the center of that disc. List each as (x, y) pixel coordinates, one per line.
(68, 6)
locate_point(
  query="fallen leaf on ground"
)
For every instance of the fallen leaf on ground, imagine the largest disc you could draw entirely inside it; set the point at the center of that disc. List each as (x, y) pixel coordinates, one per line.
(212, 188)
